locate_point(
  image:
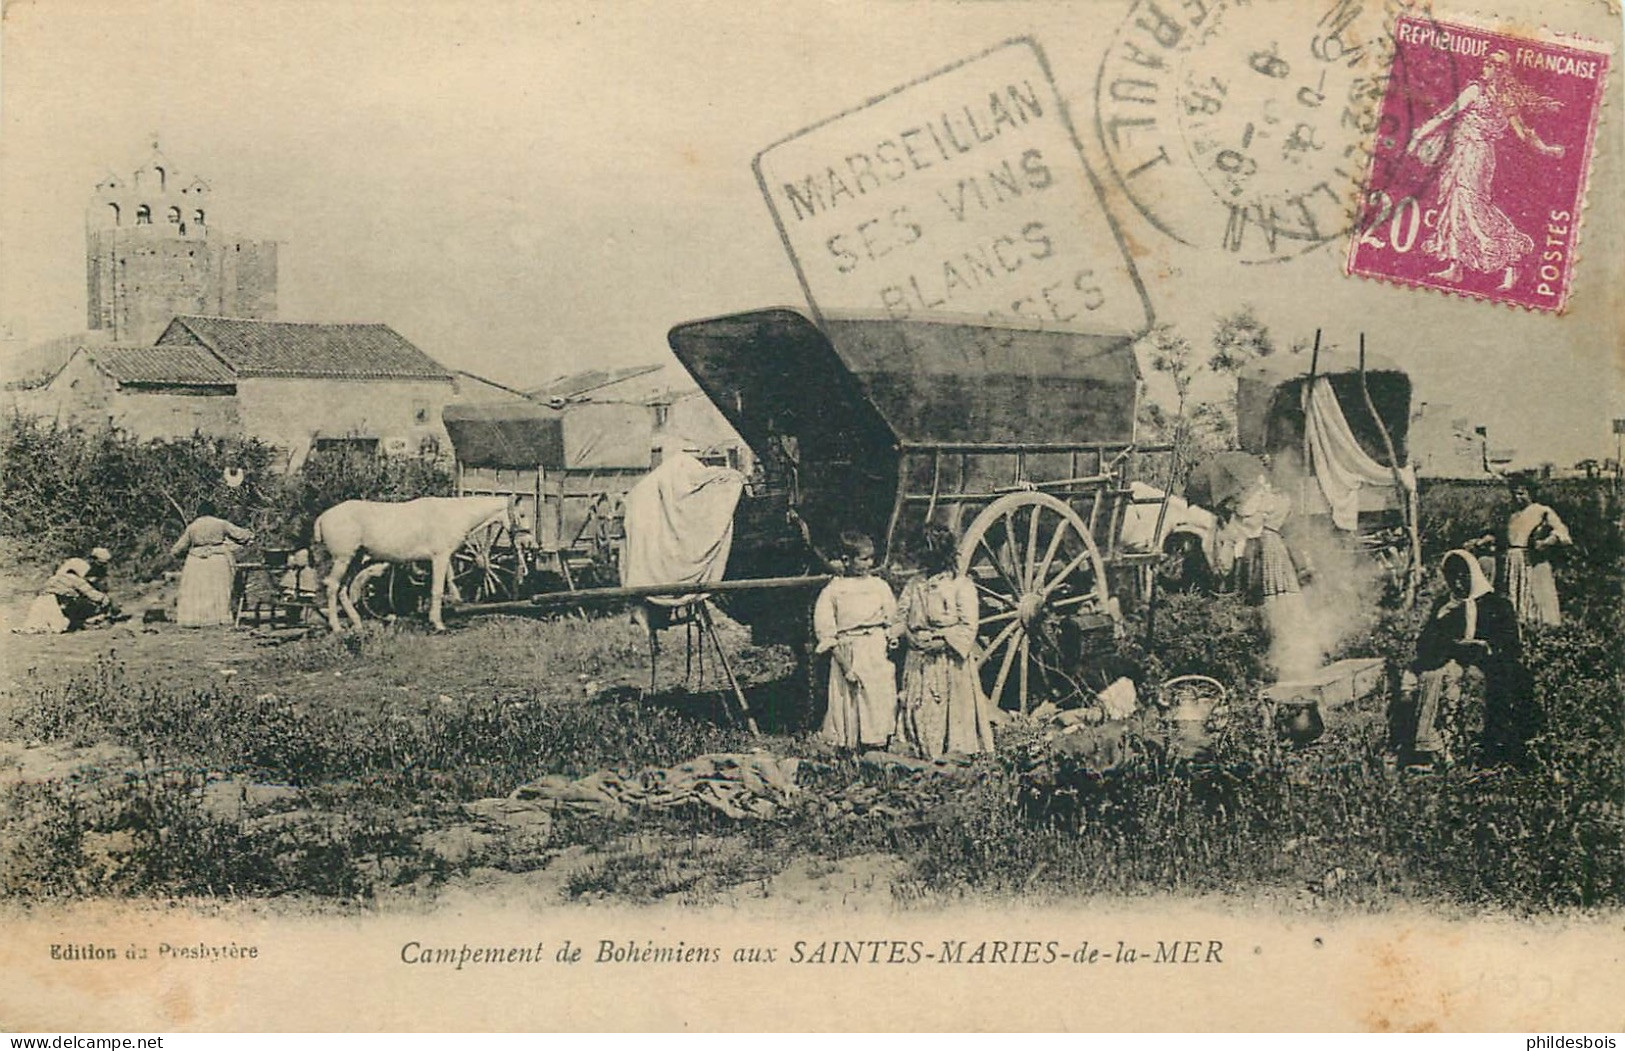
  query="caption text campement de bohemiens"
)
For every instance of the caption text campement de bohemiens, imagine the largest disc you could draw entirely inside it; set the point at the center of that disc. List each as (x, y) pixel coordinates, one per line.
(881, 951)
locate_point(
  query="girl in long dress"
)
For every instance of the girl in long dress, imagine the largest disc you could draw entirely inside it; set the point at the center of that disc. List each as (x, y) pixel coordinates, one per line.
(1472, 231)
(1526, 572)
(210, 544)
(1272, 579)
(854, 621)
(941, 708)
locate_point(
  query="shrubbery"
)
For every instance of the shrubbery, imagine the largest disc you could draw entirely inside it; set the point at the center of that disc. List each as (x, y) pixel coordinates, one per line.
(63, 490)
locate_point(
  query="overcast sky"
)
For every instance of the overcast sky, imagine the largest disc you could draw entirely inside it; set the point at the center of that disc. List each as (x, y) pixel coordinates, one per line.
(527, 189)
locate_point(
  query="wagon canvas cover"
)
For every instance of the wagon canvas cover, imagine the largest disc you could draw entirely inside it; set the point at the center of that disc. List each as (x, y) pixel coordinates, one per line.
(523, 436)
(1355, 454)
(921, 382)
(1269, 402)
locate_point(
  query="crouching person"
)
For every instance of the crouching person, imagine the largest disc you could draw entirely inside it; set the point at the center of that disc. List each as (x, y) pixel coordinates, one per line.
(1472, 627)
(71, 598)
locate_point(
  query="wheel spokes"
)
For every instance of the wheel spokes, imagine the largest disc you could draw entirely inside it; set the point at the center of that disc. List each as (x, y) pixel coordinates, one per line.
(1060, 578)
(998, 640)
(1026, 665)
(1004, 671)
(1030, 577)
(1005, 601)
(1061, 529)
(993, 556)
(997, 618)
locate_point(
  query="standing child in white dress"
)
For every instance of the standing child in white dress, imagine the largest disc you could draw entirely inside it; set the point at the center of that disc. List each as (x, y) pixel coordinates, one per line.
(854, 621)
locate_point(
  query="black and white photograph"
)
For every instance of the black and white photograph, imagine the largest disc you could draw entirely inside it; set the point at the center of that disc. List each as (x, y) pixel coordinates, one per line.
(1090, 515)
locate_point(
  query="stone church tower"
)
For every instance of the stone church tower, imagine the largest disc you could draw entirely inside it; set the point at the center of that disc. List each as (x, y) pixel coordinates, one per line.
(152, 251)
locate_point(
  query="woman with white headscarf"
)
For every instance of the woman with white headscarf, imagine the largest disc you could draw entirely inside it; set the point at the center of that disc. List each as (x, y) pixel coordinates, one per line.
(1473, 627)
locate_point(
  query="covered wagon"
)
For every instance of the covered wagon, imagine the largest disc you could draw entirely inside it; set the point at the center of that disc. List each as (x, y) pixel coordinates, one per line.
(1020, 440)
(567, 469)
(1335, 427)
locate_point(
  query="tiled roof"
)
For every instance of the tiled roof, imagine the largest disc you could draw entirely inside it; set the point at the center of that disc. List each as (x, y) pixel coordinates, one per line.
(162, 366)
(285, 348)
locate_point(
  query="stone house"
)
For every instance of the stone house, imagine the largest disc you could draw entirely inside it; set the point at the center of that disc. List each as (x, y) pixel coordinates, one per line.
(304, 387)
(299, 386)
(149, 392)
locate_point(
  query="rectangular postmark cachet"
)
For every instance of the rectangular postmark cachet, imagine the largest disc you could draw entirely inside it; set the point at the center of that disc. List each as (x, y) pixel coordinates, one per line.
(1479, 168)
(962, 194)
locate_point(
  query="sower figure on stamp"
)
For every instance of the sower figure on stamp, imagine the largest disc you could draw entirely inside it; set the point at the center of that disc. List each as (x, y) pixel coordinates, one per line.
(1472, 230)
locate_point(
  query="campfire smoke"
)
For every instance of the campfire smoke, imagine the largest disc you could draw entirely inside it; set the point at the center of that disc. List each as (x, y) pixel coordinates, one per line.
(1340, 595)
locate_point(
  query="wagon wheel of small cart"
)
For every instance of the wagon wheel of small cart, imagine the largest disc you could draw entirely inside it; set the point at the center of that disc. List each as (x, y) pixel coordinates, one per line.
(1035, 567)
(487, 567)
(387, 589)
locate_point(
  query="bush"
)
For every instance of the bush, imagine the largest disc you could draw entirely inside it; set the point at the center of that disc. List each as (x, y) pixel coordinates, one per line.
(64, 490)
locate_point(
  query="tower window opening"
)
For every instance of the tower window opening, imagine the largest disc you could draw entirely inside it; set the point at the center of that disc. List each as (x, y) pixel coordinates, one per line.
(197, 216)
(174, 214)
(114, 208)
(143, 216)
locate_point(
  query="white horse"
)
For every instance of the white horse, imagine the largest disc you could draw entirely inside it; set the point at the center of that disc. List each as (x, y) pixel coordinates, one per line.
(427, 529)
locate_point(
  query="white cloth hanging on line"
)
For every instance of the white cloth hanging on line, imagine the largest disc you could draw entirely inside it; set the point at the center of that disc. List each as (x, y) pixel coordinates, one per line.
(1340, 466)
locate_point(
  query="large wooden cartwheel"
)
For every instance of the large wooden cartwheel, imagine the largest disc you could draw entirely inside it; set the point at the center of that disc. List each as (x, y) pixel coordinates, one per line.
(386, 589)
(1036, 569)
(488, 566)
(484, 569)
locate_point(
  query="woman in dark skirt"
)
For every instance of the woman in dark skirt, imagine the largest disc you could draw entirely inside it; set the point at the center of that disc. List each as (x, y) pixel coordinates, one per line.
(1474, 627)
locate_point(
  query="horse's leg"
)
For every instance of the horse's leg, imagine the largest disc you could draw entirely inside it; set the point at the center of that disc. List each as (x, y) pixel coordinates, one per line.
(344, 591)
(439, 574)
(335, 574)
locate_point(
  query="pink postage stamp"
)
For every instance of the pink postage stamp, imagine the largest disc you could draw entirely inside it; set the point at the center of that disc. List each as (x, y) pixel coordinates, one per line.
(1478, 171)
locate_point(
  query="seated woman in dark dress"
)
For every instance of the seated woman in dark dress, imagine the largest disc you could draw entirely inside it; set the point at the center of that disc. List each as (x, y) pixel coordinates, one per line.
(1473, 627)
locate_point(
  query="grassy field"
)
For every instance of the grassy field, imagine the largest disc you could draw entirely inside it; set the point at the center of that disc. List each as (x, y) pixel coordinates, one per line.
(336, 771)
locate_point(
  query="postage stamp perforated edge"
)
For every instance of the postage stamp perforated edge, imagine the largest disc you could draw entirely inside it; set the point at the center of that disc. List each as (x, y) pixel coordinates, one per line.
(1539, 34)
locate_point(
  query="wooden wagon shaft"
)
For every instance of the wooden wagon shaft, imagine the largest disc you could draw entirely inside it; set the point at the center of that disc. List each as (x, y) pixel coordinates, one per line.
(1030, 447)
(586, 595)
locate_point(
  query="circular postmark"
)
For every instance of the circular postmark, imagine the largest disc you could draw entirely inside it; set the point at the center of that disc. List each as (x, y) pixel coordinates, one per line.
(1249, 127)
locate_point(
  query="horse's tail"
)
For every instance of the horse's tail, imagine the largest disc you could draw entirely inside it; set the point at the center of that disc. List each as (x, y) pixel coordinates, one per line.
(313, 541)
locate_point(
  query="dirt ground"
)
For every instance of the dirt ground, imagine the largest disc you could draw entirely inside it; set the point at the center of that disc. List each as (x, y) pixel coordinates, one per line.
(410, 668)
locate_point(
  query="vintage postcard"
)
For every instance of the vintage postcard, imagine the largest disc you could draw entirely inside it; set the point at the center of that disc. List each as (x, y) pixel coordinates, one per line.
(1090, 515)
